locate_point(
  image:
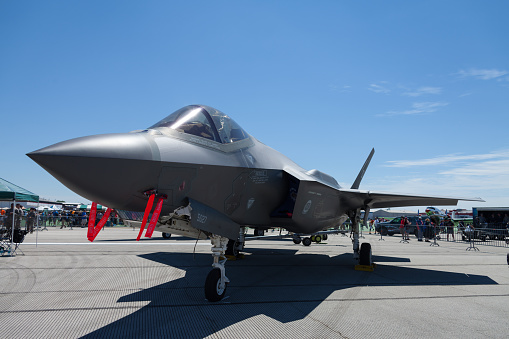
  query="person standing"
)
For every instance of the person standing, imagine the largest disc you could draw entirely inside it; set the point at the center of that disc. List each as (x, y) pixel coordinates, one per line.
(30, 221)
(419, 226)
(449, 224)
(83, 219)
(403, 228)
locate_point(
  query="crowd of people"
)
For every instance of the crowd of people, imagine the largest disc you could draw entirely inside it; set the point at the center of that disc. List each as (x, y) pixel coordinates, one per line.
(427, 227)
(43, 218)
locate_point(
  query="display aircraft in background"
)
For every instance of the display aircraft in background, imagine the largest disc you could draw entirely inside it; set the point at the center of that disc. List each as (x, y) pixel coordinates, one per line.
(433, 210)
(213, 179)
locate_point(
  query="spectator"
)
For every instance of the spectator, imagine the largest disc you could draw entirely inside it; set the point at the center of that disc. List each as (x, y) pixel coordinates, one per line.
(449, 224)
(427, 230)
(419, 226)
(403, 228)
(83, 219)
(31, 220)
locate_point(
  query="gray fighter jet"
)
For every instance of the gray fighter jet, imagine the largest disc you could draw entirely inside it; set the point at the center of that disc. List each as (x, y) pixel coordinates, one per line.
(216, 180)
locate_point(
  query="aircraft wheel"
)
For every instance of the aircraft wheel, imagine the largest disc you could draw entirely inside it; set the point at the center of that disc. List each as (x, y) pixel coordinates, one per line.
(365, 254)
(166, 235)
(325, 237)
(318, 238)
(306, 241)
(232, 248)
(297, 240)
(213, 290)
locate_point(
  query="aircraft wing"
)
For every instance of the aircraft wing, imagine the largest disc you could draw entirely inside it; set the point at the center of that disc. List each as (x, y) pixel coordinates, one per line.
(357, 198)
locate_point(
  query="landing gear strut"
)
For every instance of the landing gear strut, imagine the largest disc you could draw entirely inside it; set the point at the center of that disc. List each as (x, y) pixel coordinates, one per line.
(364, 253)
(234, 247)
(215, 284)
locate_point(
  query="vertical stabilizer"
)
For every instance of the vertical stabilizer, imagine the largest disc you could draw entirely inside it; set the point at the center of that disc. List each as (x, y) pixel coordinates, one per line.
(358, 180)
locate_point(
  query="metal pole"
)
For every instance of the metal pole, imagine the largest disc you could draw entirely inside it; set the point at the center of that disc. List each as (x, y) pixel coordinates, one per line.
(37, 225)
(13, 225)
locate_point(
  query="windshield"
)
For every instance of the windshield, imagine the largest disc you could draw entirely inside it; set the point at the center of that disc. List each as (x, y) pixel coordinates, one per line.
(205, 122)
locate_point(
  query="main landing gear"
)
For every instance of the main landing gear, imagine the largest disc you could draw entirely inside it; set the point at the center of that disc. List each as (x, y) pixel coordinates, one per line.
(363, 254)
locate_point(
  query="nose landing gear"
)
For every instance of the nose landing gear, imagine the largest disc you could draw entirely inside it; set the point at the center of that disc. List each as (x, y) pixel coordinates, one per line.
(216, 282)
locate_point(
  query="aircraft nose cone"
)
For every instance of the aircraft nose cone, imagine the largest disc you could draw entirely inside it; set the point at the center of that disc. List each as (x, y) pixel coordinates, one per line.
(112, 169)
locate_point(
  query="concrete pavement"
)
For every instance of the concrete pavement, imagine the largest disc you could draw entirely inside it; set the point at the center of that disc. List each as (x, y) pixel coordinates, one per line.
(116, 287)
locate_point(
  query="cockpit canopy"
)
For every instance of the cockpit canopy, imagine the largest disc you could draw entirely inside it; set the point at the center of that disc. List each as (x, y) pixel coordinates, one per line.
(205, 122)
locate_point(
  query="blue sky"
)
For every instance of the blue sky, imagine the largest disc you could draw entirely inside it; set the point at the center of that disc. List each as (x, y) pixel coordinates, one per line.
(425, 83)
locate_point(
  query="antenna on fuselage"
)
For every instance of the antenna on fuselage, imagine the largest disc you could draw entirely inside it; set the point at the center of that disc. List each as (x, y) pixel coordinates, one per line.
(358, 180)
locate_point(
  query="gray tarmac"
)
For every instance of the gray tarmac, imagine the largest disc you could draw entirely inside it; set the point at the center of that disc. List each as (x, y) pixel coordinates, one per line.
(67, 287)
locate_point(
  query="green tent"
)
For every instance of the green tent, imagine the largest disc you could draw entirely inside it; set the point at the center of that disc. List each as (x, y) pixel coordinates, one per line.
(11, 192)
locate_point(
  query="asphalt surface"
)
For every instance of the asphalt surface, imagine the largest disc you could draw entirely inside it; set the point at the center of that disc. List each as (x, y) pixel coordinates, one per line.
(67, 287)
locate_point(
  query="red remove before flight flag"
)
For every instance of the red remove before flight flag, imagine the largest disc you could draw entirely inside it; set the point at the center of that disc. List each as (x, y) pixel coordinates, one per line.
(91, 220)
(100, 224)
(145, 215)
(155, 217)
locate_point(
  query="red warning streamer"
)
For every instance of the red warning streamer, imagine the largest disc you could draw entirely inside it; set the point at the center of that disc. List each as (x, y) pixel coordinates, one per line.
(100, 224)
(145, 215)
(91, 220)
(155, 217)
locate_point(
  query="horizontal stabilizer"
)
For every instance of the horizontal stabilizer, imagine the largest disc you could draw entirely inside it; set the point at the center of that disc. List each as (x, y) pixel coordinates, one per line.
(357, 199)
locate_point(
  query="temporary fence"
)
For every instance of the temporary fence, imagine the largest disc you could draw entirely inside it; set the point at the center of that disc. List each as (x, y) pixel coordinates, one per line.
(488, 234)
(57, 221)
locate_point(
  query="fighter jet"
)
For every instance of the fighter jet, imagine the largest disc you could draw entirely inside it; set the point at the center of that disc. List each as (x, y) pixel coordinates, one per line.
(213, 180)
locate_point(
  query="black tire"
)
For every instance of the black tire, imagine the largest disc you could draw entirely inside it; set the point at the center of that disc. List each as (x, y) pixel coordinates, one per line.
(313, 238)
(212, 291)
(166, 235)
(365, 254)
(318, 239)
(306, 241)
(325, 237)
(297, 240)
(232, 248)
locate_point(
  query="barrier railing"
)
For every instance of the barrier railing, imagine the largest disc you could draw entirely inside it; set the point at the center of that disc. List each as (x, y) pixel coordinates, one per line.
(28, 224)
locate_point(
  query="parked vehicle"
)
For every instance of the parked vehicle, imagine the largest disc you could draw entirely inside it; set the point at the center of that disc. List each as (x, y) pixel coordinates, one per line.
(392, 227)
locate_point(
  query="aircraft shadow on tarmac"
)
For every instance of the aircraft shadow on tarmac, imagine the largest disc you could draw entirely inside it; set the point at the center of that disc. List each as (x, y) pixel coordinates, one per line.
(278, 283)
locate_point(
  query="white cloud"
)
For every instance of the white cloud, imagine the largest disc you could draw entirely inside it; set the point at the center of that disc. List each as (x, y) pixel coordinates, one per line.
(379, 89)
(487, 168)
(424, 91)
(340, 89)
(418, 108)
(483, 74)
(450, 158)
(475, 175)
